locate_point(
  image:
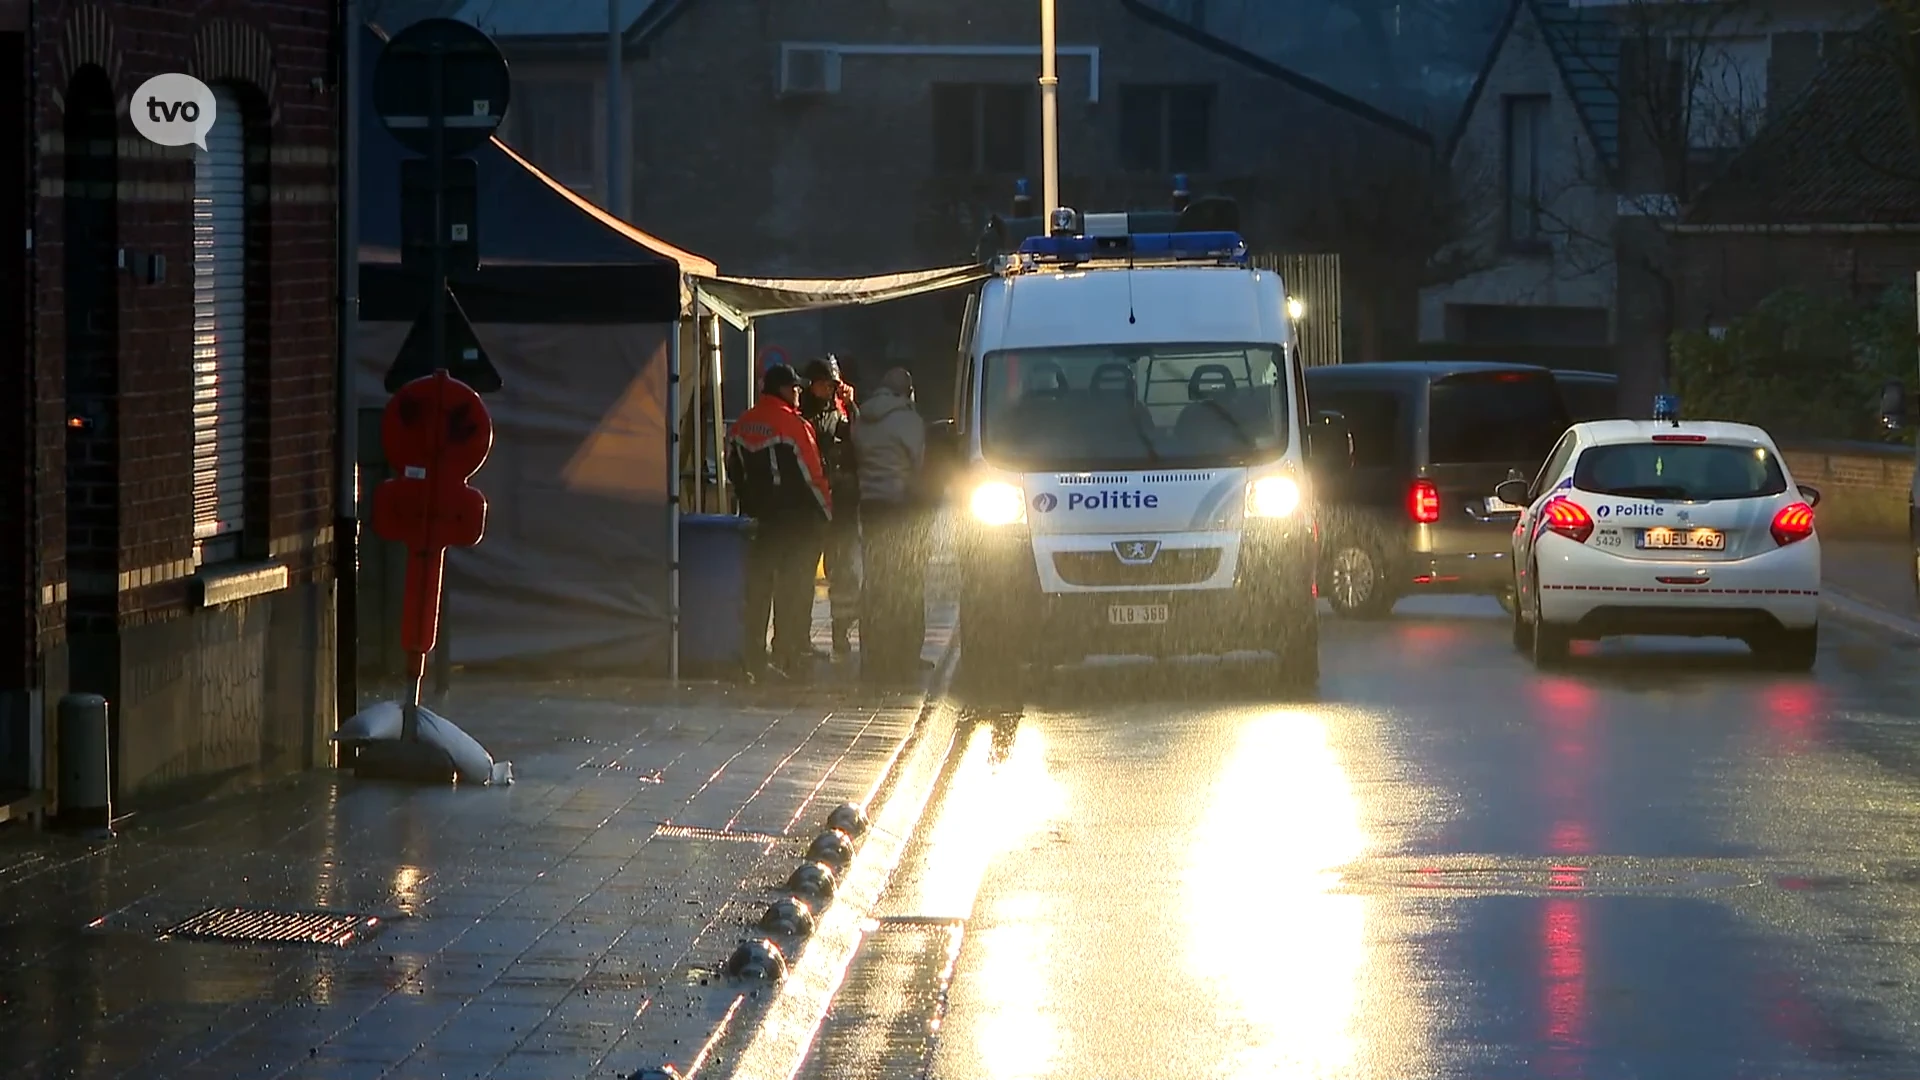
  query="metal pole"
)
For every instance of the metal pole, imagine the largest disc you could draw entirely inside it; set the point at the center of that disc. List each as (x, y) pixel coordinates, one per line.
(716, 392)
(1049, 114)
(673, 505)
(693, 420)
(616, 200)
(750, 389)
(346, 520)
(437, 121)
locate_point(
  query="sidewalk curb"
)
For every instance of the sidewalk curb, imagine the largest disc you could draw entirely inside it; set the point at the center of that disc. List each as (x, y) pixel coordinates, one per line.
(1863, 613)
(776, 1043)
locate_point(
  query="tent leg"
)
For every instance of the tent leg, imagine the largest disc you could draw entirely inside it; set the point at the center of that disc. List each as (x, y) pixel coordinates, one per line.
(673, 506)
(716, 397)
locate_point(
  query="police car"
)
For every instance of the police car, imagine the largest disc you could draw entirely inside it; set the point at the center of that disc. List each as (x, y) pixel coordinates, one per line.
(1131, 428)
(1666, 527)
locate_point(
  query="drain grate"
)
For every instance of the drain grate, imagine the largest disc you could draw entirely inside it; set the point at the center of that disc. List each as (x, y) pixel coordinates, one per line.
(692, 832)
(253, 926)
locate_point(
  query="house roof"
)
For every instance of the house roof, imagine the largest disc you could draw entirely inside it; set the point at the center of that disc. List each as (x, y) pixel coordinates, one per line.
(1844, 153)
(1586, 48)
(645, 19)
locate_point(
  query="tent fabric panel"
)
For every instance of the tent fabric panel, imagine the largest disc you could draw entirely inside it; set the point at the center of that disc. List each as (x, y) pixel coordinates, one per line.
(572, 574)
(528, 293)
(754, 298)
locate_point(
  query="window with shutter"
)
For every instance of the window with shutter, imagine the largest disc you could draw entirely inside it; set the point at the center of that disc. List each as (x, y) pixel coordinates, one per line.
(219, 333)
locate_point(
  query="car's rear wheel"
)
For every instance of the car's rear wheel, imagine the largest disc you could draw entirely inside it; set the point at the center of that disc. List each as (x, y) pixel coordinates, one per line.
(1355, 581)
(1551, 644)
(1790, 650)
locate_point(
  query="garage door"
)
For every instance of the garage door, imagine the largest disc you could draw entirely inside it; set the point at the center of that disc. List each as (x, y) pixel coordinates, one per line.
(219, 325)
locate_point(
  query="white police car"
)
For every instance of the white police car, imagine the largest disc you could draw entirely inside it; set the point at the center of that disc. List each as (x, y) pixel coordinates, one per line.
(1666, 527)
(1132, 431)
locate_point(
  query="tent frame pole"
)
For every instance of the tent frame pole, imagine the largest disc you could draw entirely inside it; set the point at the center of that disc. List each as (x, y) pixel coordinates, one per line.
(673, 503)
(716, 397)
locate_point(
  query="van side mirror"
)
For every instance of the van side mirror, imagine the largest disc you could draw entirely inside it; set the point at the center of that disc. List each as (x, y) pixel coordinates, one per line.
(1330, 441)
(1893, 407)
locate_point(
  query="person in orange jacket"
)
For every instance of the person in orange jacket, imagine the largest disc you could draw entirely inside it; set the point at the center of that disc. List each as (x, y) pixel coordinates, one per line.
(781, 479)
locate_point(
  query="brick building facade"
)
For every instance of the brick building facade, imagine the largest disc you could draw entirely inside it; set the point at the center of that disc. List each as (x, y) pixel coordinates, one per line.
(171, 447)
(1823, 200)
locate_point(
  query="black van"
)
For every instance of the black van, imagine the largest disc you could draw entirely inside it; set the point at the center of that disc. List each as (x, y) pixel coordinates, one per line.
(1431, 440)
(1590, 395)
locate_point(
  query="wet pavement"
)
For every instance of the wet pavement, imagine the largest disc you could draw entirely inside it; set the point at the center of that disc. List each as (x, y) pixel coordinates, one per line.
(567, 926)
(1661, 862)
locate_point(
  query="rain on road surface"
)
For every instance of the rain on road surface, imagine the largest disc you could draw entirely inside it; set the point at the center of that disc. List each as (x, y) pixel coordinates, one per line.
(1662, 862)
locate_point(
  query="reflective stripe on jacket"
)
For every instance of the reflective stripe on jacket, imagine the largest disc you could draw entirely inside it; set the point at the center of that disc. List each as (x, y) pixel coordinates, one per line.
(775, 463)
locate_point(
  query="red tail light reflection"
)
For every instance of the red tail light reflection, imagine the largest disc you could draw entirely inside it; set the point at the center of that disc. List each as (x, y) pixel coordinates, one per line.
(1564, 975)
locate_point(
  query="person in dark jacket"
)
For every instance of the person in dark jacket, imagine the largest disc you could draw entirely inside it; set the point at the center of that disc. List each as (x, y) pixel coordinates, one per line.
(782, 483)
(829, 407)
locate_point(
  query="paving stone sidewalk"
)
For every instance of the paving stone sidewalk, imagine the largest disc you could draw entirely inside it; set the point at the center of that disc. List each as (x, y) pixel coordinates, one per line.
(1876, 573)
(563, 927)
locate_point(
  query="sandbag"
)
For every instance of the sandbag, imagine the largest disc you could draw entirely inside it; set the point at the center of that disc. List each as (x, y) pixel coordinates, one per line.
(383, 722)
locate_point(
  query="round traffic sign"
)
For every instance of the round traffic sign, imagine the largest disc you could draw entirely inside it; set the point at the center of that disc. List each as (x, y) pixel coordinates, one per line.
(471, 76)
(771, 355)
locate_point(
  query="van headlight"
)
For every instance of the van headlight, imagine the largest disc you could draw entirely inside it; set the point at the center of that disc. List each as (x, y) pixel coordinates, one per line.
(1273, 497)
(998, 503)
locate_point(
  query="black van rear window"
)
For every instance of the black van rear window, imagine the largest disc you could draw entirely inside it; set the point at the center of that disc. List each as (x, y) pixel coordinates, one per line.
(1697, 472)
(1489, 417)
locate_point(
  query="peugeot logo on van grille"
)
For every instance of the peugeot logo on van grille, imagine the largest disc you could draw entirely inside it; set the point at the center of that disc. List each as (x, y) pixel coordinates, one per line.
(1136, 552)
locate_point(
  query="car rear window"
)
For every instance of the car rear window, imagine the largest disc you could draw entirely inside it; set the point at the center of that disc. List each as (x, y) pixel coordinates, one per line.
(1697, 472)
(1590, 399)
(1373, 418)
(1488, 417)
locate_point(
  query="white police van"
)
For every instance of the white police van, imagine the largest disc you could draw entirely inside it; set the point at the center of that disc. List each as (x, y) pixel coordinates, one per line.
(1131, 426)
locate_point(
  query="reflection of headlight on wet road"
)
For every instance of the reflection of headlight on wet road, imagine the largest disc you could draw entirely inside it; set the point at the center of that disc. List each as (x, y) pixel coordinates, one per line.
(997, 503)
(1272, 496)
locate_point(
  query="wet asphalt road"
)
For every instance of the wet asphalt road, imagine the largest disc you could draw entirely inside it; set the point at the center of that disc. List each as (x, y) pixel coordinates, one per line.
(1660, 863)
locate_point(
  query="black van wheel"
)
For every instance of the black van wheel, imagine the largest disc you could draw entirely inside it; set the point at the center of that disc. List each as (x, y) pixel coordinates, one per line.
(1353, 579)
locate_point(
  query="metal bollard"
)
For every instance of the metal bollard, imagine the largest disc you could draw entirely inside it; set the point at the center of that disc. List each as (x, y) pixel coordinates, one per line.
(85, 793)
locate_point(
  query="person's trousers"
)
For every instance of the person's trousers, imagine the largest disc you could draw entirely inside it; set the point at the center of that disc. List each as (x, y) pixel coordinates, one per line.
(843, 568)
(893, 627)
(780, 563)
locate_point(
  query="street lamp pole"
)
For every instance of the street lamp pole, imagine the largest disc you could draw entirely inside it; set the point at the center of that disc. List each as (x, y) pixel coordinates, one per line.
(1049, 114)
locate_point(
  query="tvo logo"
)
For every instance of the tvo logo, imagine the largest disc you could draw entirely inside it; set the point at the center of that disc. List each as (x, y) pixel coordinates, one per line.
(173, 110)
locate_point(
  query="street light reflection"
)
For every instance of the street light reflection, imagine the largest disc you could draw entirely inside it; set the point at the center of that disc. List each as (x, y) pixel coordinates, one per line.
(1299, 988)
(993, 804)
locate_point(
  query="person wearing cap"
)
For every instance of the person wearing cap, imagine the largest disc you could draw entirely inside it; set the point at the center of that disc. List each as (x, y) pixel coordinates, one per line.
(782, 484)
(890, 441)
(828, 405)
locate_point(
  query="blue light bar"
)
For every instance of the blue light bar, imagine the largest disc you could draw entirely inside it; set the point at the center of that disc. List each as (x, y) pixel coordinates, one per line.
(1196, 246)
(1666, 407)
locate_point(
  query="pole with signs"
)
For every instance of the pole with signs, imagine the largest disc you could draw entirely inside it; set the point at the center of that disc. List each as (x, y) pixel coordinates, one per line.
(441, 87)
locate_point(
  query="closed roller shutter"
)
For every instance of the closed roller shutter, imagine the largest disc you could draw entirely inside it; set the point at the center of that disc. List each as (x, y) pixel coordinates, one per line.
(220, 325)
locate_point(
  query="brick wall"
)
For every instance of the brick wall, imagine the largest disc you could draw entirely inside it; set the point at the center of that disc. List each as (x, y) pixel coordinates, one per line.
(282, 51)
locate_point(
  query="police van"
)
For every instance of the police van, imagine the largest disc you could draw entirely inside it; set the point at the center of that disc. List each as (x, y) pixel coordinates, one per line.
(1131, 430)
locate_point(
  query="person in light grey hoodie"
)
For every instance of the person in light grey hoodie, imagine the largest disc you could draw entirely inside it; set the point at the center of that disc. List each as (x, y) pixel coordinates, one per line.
(890, 446)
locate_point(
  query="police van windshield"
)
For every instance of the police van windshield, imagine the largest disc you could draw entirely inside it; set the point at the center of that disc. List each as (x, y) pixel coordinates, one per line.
(1694, 472)
(1133, 406)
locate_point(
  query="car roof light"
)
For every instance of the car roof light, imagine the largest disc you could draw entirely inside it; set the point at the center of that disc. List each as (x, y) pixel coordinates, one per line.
(1211, 247)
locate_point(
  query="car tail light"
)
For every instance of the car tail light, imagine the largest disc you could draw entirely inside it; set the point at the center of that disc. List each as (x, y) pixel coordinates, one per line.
(1569, 519)
(1792, 523)
(1424, 502)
